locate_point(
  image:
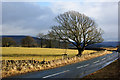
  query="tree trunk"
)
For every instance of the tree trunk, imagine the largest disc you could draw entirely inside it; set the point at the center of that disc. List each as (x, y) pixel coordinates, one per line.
(80, 50)
(59, 43)
(41, 42)
(50, 46)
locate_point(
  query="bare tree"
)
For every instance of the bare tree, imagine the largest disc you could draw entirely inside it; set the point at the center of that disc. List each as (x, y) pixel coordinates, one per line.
(51, 39)
(28, 42)
(78, 29)
(41, 37)
(54, 37)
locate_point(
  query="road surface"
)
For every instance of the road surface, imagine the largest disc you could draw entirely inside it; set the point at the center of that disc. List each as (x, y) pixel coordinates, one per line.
(77, 70)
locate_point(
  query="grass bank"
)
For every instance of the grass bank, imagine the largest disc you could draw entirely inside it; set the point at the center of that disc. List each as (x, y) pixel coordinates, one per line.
(111, 71)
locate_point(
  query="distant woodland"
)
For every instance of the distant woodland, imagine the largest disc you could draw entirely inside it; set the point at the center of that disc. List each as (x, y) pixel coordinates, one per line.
(29, 41)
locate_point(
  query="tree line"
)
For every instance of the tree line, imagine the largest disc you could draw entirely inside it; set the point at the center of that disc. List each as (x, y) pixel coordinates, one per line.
(42, 41)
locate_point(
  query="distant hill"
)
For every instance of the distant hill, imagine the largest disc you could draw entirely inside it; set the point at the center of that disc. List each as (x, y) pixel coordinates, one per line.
(105, 44)
(18, 38)
(46, 43)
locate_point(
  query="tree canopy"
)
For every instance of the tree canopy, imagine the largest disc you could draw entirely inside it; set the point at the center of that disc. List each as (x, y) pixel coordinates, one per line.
(28, 42)
(7, 42)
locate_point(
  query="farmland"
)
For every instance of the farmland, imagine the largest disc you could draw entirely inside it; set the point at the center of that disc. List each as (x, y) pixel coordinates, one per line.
(47, 54)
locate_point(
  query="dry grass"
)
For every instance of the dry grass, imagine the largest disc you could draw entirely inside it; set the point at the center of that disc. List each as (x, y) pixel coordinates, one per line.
(110, 48)
(21, 53)
(111, 71)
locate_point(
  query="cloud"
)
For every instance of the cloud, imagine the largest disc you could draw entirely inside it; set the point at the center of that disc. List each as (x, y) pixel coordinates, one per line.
(60, 0)
(32, 18)
(26, 17)
(13, 30)
(105, 14)
(22, 11)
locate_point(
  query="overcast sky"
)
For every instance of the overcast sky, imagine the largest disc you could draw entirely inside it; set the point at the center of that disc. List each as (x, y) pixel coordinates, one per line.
(30, 18)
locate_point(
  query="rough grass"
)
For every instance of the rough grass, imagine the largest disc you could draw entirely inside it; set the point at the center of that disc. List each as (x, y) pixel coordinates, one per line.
(111, 71)
(110, 48)
(22, 53)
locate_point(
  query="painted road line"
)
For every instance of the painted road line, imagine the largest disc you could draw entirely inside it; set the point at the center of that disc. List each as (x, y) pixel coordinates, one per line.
(96, 61)
(86, 65)
(82, 66)
(103, 59)
(56, 74)
(79, 67)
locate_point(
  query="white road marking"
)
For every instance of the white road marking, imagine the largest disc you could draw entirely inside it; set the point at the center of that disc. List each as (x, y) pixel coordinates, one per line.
(82, 66)
(110, 56)
(86, 65)
(56, 74)
(96, 61)
(103, 59)
(79, 67)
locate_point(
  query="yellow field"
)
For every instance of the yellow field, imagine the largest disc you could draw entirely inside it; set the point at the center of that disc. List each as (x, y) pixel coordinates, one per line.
(21, 53)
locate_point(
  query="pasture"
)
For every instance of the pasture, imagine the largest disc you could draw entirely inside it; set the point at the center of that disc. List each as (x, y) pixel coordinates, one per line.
(47, 54)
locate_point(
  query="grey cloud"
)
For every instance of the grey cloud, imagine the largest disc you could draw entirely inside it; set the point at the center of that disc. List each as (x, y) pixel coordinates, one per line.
(21, 11)
(27, 16)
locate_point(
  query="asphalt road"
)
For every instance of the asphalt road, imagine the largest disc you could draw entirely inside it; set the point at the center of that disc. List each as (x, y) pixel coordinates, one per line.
(77, 70)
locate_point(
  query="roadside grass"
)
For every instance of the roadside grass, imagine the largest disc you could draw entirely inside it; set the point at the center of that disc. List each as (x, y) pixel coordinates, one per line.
(47, 54)
(111, 71)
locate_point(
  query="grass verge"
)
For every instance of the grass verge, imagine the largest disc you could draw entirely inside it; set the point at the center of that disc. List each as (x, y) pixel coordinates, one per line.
(111, 71)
